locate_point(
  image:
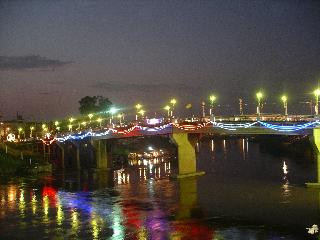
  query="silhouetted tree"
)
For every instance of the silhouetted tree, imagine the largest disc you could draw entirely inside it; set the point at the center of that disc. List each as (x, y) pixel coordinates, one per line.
(94, 104)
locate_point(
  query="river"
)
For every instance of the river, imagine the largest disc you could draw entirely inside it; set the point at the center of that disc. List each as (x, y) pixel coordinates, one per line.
(245, 194)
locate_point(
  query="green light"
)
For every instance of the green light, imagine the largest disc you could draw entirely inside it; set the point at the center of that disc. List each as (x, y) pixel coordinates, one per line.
(259, 95)
(138, 106)
(212, 98)
(113, 110)
(142, 112)
(284, 98)
(317, 92)
(173, 101)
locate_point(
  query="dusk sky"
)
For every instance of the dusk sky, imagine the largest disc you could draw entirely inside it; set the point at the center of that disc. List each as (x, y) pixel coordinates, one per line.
(53, 53)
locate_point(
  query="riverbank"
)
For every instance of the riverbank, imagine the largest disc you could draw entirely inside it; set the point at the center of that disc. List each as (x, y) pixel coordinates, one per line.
(19, 160)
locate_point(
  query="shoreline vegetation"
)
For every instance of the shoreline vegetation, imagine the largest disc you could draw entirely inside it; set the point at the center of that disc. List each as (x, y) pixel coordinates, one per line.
(20, 160)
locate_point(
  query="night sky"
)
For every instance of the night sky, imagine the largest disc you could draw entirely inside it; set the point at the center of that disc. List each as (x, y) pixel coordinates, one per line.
(52, 53)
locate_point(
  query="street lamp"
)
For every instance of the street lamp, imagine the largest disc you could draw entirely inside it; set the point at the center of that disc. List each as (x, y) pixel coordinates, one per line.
(70, 125)
(31, 130)
(173, 103)
(284, 99)
(317, 93)
(168, 109)
(212, 99)
(142, 112)
(259, 96)
(138, 107)
(99, 120)
(90, 115)
(19, 132)
(112, 111)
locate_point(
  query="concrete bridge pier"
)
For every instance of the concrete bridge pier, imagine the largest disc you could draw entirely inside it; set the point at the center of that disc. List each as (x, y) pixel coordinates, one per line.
(316, 139)
(103, 153)
(77, 146)
(61, 147)
(187, 161)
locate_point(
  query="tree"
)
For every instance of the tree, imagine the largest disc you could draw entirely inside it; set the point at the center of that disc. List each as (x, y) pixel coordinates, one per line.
(94, 104)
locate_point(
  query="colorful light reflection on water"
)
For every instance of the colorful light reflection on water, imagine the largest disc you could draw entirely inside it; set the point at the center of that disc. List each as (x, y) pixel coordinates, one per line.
(141, 202)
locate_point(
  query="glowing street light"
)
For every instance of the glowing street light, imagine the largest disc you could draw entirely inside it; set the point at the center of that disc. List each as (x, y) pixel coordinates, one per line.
(31, 130)
(259, 95)
(70, 127)
(90, 115)
(138, 107)
(168, 109)
(212, 99)
(112, 111)
(99, 120)
(142, 112)
(19, 132)
(173, 102)
(56, 123)
(284, 99)
(317, 93)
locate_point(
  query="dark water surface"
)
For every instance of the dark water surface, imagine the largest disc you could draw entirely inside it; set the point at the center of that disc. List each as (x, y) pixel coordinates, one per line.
(245, 194)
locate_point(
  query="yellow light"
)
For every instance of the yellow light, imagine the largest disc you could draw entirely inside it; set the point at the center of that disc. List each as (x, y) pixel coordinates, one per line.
(90, 115)
(99, 120)
(120, 115)
(138, 106)
(71, 120)
(20, 129)
(43, 126)
(142, 112)
(56, 123)
(284, 98)
(212, 98)
(83, 123)
(317, 92)
(173, 101)
(259, 95)
(70, 126)
(32, 128)
(167, 107)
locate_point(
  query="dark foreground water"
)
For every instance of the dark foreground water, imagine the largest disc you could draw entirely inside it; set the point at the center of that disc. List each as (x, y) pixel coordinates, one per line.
(245, 194)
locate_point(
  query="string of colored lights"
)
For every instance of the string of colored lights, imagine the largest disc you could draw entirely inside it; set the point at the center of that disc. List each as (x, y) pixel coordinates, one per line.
(233, 126)
(289, 128)
(187, 127)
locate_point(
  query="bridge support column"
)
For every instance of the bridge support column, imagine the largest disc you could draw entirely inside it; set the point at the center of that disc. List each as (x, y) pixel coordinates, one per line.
(187, 162)
(102, 154)
(77, 154)
(61, 147)
(316, 139)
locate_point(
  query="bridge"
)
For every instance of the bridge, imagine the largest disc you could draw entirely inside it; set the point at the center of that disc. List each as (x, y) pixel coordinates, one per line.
(184, 135)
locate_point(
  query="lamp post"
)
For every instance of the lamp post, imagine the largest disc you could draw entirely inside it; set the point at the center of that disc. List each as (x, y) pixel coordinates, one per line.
(142, 112)
(70, 125)
(90, 115)
(212, 99)
(168, 109)
(31, 130)
(284, 99)
(138, 107)
(317, 93)
(259, 96)
(99, 120)
(112, 111)
(173, 103)
(19, 132)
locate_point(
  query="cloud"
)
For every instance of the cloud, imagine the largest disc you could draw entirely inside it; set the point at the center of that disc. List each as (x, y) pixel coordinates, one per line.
(29, 62)
(143, 87)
